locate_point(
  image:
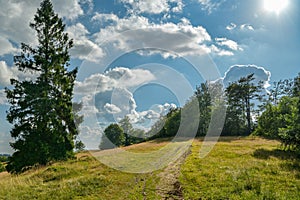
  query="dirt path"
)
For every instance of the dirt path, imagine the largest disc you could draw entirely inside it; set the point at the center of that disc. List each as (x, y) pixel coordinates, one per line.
(169, 186)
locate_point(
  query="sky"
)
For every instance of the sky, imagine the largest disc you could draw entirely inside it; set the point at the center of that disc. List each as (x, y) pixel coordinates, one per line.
(142, 57)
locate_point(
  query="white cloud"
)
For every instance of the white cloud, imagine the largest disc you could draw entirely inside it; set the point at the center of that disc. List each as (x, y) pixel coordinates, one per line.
(231, 26)
(101, 17)
(112, 100)
(242, 27)
(236, 72)
(111, 108)
(3, 99)
(90, 136)
(221, 52)
(210, 5)
(69, 9)
(179, 7)
(7, 73)
(84, 48)
(119, 77)
(6, 46)
(182, 38)
(246, 27)
(16, 15)
(145, 119)
(228, 43)
(153, 6)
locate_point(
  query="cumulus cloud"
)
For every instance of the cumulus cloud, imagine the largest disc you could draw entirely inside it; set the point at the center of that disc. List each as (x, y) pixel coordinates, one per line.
(16, 16)
(7, 73)
(228, 43)
(154, 6)
(112, 100)
(145, 119)
(136, 32)
(84, 48)
(119, 77)
(69, 9)
(238, 71)
(111, 108)
(182, 38)
(103, 17)
(221, 52)
(113, 105)
(106, 95)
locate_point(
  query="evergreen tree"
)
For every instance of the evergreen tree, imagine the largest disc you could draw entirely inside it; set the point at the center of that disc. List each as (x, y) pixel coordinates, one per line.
(240, 95)
(41, 110)
(235, 114)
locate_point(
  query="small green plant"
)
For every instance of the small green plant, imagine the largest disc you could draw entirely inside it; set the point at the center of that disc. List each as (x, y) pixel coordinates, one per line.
(247, 182)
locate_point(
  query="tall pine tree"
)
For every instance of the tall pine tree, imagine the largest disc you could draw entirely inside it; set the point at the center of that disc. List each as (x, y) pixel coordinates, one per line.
(41, 110)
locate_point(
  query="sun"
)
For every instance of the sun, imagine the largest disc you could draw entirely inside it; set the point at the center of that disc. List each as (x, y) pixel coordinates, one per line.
(276, 6)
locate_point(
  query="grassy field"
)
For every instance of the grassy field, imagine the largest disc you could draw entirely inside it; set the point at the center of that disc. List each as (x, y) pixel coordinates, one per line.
(247, 168)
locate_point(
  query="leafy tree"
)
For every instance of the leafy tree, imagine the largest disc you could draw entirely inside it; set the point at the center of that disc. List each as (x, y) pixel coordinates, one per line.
(41, 110)
(280, 88)
(290, 135)
(205, 103)
(173, 122)
(276, 117)
(79, 146)
(128, 130)
(281, 118)
(113, 137)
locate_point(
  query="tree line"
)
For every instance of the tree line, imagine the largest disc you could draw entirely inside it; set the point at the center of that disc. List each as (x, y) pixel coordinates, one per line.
(250, 109)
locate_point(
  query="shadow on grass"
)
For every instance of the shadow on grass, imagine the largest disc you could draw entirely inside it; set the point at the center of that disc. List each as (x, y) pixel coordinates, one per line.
(291, 159)
(277, 153)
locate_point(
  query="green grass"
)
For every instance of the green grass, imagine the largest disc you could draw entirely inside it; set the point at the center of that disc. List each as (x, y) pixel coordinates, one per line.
(245, 168)
(81, 178)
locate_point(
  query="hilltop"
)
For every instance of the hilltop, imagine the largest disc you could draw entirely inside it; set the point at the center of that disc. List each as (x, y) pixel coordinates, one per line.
(237, 168)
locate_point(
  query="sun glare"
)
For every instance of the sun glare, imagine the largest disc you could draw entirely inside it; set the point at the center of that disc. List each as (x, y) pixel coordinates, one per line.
(275, 5)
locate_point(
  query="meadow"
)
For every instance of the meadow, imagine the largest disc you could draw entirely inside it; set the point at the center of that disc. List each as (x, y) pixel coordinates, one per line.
(237, 168)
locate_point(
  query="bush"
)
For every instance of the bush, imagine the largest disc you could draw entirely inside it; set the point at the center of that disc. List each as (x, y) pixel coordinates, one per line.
(2, 168)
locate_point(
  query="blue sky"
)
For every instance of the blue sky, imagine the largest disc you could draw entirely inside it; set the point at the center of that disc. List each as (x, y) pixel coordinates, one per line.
(143, 57)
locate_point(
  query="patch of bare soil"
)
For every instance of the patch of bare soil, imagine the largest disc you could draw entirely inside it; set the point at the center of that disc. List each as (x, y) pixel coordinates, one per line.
(169, 186)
